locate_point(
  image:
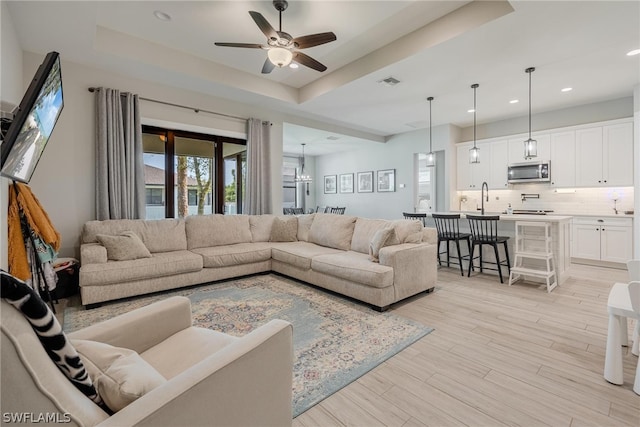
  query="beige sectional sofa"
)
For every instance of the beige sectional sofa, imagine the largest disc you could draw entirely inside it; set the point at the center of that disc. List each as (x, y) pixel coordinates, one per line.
(326, 250)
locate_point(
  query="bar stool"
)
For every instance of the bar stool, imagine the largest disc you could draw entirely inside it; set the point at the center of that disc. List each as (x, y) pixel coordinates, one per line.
(448, 226)
(422, 217)
(484, 231)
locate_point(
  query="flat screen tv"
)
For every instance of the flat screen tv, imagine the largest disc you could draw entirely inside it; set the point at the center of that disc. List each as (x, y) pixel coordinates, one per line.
(33, 122)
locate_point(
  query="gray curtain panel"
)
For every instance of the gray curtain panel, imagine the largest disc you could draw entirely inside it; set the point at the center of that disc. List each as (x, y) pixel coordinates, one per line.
(258, 193)
(119, 164)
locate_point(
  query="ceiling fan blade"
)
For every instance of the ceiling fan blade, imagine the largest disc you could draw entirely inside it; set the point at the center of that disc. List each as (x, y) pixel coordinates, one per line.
(247, 45)
(267, 67)
(264, 25)
(308, 61)
(314, 40)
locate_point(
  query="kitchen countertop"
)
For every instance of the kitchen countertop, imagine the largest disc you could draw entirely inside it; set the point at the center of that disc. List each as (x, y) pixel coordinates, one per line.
(518, 217)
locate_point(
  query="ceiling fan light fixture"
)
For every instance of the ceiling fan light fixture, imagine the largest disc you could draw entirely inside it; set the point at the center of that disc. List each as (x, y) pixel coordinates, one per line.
(280, 57)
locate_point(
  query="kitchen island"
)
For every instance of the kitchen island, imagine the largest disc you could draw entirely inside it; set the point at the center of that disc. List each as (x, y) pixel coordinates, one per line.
(560, 234)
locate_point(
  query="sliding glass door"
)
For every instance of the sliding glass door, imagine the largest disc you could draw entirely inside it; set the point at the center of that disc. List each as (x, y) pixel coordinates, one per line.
(188, 173)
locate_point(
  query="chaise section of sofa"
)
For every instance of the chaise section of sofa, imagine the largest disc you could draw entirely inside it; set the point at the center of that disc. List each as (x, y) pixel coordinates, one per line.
(326, 250)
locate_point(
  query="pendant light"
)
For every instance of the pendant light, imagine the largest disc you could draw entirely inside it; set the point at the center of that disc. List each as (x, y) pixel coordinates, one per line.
(474, 153)
(302, 177)
(530, 145)
(431, 156)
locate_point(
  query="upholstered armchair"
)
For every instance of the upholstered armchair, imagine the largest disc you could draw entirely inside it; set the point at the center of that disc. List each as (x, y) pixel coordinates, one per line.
(211, 378)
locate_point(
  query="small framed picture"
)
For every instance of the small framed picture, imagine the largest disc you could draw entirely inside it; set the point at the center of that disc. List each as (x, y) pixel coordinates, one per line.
(346, 183)
(365, 182)
(386, 180)
(330, 184)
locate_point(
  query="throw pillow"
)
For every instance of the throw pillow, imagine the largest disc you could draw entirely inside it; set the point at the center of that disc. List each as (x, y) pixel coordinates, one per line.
(284, 229)
(49, 332)
(379, 240)
(126, 246)
(121, 375)
(304, 225)
(332, 231)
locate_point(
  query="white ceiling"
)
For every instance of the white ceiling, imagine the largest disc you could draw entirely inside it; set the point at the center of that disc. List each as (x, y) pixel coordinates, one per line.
(435, 48)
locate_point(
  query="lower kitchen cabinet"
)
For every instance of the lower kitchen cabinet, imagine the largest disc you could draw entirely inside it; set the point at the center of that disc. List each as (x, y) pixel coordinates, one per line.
(602, 239)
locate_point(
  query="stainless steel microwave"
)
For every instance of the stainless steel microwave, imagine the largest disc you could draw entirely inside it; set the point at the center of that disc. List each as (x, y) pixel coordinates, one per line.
(529, 172)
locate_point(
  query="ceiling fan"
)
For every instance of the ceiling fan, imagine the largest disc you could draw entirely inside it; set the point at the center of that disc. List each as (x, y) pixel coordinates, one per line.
(281, 47)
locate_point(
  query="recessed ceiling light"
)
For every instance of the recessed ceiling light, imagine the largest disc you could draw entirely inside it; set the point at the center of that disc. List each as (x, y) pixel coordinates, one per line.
(633, 52)
(162, 15)
(471, 110)
(513, 101)
(293, 65)
(566, 89)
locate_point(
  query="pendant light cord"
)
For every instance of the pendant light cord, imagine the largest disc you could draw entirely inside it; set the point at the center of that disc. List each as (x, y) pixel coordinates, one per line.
(430, 147)
(529, 71)
(474, 86)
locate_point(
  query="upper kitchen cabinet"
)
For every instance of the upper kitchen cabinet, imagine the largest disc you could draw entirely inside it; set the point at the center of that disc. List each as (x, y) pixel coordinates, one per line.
(604, 155)
(471, 175)
(516, 149)
(499, 164)
(563, 159)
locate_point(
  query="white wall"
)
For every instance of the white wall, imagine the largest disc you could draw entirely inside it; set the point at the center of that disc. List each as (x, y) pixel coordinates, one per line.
(583, 114)
(636, 169)
(397, 153)
(11, 90)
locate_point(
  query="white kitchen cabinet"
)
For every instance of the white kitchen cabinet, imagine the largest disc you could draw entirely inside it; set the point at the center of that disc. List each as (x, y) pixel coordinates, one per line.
(563, 159)
(602, 239)
(471, 175)
(499, 164)
(604, 156)
(516, 149)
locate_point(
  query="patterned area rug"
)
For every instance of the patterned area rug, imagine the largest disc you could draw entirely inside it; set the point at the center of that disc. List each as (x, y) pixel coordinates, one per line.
(335, 340)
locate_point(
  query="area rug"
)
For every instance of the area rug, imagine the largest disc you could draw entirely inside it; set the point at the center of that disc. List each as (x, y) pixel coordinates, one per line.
(335, 340)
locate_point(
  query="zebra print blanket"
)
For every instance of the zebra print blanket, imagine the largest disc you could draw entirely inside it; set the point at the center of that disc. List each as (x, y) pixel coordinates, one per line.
(49, 332)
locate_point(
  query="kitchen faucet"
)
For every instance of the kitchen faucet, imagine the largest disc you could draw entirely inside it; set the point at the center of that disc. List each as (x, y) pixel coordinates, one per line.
(484, 184)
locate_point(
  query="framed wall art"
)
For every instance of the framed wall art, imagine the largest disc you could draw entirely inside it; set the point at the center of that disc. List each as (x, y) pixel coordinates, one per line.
(365, 182)
(386, 180)
(346, 183)
(330, 184)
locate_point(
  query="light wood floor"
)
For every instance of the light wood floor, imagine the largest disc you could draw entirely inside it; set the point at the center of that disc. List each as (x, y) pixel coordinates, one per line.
(499, 355)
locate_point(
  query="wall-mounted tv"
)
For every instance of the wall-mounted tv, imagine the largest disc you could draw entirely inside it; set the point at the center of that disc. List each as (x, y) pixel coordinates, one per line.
(33, 122)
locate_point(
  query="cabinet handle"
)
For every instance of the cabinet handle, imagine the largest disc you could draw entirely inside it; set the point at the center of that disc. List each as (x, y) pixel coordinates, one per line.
(599, 181)
(601, 220)
(605, 180)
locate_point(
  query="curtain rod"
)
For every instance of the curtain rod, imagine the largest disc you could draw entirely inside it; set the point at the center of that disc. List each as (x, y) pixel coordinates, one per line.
(194, 109)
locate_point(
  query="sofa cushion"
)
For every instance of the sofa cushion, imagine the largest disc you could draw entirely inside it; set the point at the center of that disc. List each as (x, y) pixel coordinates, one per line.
(125, 246)
(379, 241)
(284, 229)
(260, 226)
(230, 255)
(304, 225)
(299, 254)
(184, 349)
(363, 232)
(404, 228)
(120, 375)
(333, 231)
(159, 265)
(217, 230)
(355, 267)
(158, 235)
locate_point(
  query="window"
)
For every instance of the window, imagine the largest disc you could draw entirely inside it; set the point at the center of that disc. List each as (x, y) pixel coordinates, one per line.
(154, 196)
(187, 173)
(424, 183)
(289, 193)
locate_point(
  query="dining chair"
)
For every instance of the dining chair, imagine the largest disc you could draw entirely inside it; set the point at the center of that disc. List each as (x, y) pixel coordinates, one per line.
(623, 303)
(338, 211)
(484, 231)
(422, 217)
(448, 227)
